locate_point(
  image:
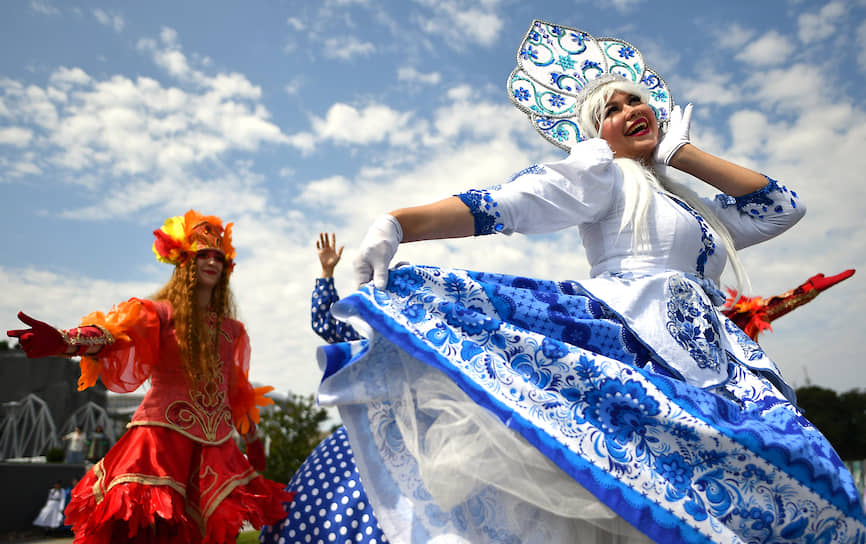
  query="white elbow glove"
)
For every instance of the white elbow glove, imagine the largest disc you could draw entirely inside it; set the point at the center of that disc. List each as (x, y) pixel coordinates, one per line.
(377, 249)
(676, 136)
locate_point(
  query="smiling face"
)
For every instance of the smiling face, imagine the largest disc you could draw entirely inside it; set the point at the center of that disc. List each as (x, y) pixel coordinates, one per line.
(629, 126)
(209, 267)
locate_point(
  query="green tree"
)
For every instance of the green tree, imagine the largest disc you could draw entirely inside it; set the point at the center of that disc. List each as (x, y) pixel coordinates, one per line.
(294, 428)
(841, 418)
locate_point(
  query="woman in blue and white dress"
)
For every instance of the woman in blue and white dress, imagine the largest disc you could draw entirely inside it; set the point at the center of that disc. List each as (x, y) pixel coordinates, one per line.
(622, 408)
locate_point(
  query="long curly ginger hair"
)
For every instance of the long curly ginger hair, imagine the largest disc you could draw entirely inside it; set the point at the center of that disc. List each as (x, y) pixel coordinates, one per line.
(196, 337)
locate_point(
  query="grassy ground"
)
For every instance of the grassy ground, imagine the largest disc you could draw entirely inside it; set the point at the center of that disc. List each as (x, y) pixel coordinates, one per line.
(248, 537)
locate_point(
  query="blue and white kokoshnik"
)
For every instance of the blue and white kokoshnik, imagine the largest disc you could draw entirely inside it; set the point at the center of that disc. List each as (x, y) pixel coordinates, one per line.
(737, 463)
(557, 64)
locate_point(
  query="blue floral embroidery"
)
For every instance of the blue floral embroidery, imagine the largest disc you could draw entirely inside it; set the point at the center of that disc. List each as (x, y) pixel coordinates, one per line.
(561, 81)
(565, 62)
(772, 198)
(552, 349)
(623, 411)
(404, 280)
(470, 320)
(675, 470)
(660, 95)
(693, 323)
(626, 52)
(750, 348)
(753, 468)
(578, 38)
(482, 207)
(556, 100)
(709, 243)
(521, 94)
(414, 313)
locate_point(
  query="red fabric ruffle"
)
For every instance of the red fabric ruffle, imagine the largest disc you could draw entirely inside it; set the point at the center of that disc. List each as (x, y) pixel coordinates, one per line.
(155, 485)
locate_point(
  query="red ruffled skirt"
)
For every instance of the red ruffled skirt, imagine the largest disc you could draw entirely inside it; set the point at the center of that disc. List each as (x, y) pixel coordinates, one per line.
(155, 485)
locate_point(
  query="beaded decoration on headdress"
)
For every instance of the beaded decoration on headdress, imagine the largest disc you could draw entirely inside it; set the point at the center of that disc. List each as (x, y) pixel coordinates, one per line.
(558, 65)
(180, 237)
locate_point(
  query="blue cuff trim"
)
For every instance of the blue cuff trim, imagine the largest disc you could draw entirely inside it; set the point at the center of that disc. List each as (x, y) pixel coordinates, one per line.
(483, 209)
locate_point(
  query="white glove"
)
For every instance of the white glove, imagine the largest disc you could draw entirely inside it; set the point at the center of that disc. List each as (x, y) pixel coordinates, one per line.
(377, 249)
(676, 136)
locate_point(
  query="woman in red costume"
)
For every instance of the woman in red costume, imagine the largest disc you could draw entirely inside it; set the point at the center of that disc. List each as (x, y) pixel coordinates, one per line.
(176, 475)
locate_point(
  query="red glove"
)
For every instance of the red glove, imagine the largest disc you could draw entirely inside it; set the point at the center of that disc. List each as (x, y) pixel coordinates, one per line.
(820, 282)
(41, 340)
(256, 455)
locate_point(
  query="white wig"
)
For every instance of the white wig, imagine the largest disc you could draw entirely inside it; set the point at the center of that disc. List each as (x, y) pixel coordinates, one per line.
(642, 179)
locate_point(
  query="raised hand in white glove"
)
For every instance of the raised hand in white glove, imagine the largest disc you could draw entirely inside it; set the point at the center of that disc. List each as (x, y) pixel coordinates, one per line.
(377, 249)
(676, 136)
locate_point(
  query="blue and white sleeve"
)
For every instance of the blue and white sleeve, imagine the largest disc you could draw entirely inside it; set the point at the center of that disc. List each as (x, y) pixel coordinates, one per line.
(551, 196)
(323, 323)
(760, 215)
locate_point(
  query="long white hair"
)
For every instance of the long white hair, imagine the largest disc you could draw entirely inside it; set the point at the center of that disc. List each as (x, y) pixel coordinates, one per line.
(641, 180)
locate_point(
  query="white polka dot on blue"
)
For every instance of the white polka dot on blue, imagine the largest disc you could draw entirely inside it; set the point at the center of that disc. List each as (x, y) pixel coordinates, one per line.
(330, 504)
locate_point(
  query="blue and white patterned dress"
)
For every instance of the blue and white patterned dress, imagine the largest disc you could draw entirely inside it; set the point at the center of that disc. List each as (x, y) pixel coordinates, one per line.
(622, 408)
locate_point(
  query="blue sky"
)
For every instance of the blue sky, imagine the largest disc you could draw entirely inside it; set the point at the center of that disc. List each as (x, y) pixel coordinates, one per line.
(293, 117)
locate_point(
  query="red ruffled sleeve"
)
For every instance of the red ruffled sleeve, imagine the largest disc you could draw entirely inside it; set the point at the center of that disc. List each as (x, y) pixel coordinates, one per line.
(126, 363)
(243, 397)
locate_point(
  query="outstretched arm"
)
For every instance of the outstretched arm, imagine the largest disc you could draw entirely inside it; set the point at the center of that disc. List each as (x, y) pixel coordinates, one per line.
(448, 218)
(43, 340)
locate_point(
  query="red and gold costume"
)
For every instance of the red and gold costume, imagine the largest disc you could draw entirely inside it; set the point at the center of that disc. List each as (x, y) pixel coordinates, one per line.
(176, 475)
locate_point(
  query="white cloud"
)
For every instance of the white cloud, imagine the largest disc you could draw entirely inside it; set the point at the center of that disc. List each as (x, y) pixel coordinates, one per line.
(812, 27)
(461, 23)
(43, 7)
(624, 6)
(112, 21)
(410, 74)
(294, 23)
(795, 88)
(374, 123)
(347, 47)
(325, 191)
(121, 127)
(303, 141)
(733, 36)
(751, 129)
(293, 86)
(64, 77)
(15, 136)
(770, 49)
(28, 105)
(709, 88)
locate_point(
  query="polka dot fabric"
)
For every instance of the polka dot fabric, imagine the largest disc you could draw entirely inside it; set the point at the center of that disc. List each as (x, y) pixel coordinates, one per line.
(330, 504)
(331, 330)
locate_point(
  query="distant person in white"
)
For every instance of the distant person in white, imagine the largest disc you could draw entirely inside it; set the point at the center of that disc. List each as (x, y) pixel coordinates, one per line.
(75, 442)
(51, 515)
